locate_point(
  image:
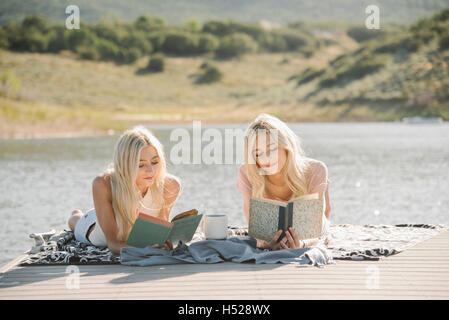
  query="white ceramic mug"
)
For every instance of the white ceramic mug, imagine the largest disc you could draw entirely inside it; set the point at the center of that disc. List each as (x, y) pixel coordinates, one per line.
(216, 226)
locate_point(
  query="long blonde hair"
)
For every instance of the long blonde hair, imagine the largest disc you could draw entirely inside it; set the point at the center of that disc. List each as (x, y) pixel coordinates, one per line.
(126, 196)
(296, 165)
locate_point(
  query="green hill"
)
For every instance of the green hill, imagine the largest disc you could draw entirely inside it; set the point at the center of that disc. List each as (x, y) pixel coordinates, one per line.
(178, 11)
(51, 93)
(349, 75)
(399, 74)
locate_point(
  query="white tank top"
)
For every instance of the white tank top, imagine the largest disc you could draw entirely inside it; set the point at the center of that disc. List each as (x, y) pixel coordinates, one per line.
(97, 237)
(148, 206)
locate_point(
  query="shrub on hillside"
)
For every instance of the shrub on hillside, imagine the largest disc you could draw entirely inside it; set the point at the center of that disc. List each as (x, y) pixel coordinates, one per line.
(329, 81)
(88, 53)
(34, 22)
(137, 40)
(362, 34)
(107, 50)
(308, 75)
(207, 43)
(192, 26)
(424, 36)
(272, 43)
(235, 45)
(408, 43)
(4, 42)
(443, 15)
(156, 63)
(255, 31)
(365, 65)
(444, 41)
(80, 38)
(109, 31)
(180, 43)
(128, 55)
(156, 39)
(209, 73)
(34, 41)
(217, 28)
(56, 39)
(295, 40)
(13, 36)
(148, 23)
(31, 35)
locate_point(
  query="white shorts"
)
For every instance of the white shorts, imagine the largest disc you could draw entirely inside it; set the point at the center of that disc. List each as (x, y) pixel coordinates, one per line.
(96, 237)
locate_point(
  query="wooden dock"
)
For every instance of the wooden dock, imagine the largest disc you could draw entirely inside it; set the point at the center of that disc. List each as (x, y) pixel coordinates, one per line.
(421, 272)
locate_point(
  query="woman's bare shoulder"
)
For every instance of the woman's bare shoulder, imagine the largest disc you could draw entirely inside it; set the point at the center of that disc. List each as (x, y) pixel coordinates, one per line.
(102, 183)
(172, 184)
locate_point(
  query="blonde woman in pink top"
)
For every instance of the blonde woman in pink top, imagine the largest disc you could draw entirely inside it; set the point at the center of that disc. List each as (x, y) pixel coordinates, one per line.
(276, 168)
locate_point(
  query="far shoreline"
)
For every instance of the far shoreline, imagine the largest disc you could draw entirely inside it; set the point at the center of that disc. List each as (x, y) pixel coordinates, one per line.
(26, 132)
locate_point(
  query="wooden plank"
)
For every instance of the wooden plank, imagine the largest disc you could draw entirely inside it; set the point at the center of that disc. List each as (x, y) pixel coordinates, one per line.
(243, 294)
(226, 276)
(268, 287)
(336, 270)
(13, 263)
(421, 272)
(236, 276)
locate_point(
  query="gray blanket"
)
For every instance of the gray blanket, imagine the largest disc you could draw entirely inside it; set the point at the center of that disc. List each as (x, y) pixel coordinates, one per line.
(234, 249)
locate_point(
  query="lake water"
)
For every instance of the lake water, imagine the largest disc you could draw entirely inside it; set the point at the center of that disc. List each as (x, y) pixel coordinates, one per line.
(381, 173)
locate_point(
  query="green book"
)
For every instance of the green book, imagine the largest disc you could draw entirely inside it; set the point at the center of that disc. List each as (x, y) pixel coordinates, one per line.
(148, 230)
(304, 214)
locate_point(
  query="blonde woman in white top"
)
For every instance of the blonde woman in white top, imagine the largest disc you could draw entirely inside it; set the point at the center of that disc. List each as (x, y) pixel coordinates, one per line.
(136, 181)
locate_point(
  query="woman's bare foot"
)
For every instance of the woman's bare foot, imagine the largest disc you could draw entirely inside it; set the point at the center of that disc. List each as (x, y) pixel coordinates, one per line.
(76, 215)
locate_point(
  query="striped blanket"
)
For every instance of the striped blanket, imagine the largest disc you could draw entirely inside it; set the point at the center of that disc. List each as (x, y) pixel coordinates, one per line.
(344, 241)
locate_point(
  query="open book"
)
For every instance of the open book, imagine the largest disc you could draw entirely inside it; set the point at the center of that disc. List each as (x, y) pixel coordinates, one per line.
(304, 214)
(149, 230)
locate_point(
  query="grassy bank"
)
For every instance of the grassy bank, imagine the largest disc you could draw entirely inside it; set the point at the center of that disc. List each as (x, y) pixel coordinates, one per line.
(59, 92)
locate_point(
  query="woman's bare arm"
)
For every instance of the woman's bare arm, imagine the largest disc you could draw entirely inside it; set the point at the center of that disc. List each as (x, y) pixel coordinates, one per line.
(171, 192)
(327, 213)
(101, 189)
(246, 199)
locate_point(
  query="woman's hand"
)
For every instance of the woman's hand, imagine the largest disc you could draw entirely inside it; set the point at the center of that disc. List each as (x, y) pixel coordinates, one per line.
(293, 241)
(166, 246)
(272, 244)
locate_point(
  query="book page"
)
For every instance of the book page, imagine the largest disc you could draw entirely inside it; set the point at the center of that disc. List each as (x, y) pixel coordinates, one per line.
(308, 218)
(189, 213)
(263, 218)
(150, 218)
(269, 201)
(184, 229)
(307, 197)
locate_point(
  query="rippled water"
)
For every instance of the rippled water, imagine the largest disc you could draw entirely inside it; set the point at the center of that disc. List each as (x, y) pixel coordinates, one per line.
(381, 173)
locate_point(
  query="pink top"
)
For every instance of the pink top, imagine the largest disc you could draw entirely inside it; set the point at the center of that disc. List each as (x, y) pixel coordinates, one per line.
(317, 177)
